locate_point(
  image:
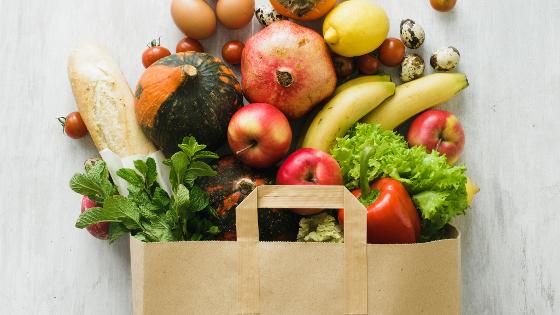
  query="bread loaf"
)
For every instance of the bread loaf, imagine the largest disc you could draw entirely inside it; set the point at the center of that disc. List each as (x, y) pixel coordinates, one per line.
(105, 101)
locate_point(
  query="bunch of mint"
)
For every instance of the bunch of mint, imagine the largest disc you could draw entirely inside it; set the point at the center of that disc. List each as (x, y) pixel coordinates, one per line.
(148, 213)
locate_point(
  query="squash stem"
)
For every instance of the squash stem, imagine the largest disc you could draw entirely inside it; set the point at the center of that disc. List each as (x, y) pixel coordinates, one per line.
(190, 71)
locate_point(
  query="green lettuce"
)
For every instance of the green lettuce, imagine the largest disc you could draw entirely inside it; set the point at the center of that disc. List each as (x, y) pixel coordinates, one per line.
(437, 188)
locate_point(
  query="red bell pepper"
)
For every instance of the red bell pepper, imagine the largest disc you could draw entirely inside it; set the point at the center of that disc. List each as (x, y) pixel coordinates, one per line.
(392, 217)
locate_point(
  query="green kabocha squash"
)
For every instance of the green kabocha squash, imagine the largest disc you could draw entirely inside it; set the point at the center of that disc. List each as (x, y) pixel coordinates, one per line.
(187, 94)
(227, 190)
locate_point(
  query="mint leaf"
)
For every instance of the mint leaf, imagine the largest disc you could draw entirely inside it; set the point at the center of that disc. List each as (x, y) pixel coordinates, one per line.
(148, 213)
(141, 167)
(138, 194)
(199, 199)
(190, 146)
(214, 230)
(198, 169)
(95, 183)
(86, 186)
(141, 237)
(179, 163)
(182, 197)
(151, 172)
(98, 171)
(159, 230)
(160, 198)
(116, 230)
(131, 177)
(205, 155)
(124, 209)
(94, 216)
(196, 237)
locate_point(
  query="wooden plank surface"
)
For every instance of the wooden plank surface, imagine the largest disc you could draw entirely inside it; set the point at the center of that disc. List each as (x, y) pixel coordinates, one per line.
(510, 112)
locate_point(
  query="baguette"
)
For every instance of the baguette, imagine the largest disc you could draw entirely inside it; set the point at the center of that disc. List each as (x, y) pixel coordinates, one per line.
(106, 102)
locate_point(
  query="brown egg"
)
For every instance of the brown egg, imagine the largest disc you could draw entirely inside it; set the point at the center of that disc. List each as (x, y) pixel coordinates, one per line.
(195, 18)
(235, 14)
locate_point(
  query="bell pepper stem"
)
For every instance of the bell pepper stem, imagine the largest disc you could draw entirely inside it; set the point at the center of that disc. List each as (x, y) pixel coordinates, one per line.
(366, 153)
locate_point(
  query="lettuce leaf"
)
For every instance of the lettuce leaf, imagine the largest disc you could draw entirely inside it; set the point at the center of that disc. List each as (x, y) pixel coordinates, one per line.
(437, 188)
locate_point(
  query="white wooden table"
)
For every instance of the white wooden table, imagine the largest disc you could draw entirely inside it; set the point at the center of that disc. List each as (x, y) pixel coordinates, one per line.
(511, 235)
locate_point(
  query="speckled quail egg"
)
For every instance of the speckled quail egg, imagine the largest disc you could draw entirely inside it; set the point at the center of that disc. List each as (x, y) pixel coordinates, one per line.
(445, 59)
(266, 14)
(412, 34)
(412, 67)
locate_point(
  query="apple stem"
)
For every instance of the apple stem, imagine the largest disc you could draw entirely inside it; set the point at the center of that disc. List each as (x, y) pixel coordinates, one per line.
(440, 140)
(246, 148)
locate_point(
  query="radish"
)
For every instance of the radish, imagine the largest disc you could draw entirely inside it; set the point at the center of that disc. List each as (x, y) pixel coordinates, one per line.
(288, 66)
(99, 230)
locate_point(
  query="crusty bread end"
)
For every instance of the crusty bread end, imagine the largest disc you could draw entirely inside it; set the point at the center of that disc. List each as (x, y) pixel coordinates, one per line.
(105, 101)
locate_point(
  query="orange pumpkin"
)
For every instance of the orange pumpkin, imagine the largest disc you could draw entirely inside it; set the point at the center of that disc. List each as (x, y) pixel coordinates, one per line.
(303, 10)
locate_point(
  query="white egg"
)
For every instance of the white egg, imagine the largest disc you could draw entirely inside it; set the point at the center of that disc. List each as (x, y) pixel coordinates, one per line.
(412, 67)
(445, 59)
(412, 34)
(266, 14)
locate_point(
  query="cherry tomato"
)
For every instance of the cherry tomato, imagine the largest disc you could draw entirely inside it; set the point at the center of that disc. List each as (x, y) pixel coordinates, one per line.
(443, 5)
(189, 44)
(154, 53)
(73, 125)
(368, 64)
(391, 52)
(231, 52)
(343, 66)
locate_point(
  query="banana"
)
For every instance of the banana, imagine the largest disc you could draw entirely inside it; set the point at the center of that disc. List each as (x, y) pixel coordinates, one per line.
(340, 88)
(344, 110)
(415, 96)
(364, 79)
(472, 190)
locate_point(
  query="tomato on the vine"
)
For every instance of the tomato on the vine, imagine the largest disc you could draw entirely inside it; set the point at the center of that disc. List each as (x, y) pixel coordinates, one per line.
(189, 44)
(153, 53)
(73, 125)
(231, 52)
(391, 52)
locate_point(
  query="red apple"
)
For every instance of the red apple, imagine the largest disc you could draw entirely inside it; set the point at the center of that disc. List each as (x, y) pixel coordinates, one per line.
(99, 230)
(309, 167)
(259, 135)
(438, 130)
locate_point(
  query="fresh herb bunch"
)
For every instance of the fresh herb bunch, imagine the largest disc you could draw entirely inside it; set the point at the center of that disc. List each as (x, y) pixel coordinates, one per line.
(148, 213)
(437, 188)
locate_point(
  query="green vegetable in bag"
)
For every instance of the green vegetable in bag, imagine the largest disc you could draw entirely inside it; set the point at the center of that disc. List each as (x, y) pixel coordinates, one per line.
(437, 188)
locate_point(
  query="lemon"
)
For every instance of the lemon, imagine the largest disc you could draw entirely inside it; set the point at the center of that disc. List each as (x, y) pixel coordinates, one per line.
(355, 27)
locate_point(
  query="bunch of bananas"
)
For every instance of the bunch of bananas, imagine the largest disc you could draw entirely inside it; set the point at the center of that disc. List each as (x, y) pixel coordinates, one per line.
(374, 99)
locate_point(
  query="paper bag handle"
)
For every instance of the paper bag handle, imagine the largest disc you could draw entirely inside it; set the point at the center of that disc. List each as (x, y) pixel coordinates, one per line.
(311, 196)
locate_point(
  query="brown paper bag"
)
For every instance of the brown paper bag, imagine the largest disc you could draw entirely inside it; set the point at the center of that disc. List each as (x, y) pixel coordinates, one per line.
(252, 277)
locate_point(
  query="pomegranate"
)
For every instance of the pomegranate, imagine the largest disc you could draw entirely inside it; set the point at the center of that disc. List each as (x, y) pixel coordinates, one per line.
(289, 66)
